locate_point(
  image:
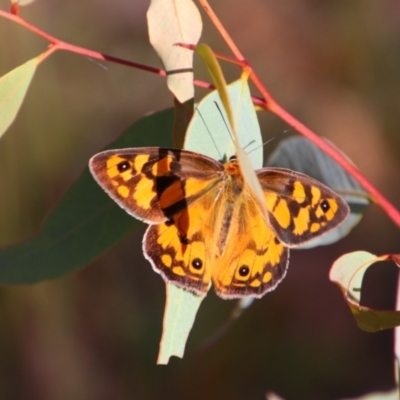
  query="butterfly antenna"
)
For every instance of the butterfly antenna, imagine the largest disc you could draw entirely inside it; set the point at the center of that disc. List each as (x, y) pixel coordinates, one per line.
(249, 144)
(261, 145)
(269, 140)
(211, 136)
(287, 130)
(223, 119)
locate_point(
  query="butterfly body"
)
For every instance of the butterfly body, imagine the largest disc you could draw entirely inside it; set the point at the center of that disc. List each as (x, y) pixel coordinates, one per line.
(206, 224)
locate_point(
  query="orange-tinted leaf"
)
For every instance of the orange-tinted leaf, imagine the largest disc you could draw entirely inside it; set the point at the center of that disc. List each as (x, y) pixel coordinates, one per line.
(171, 22)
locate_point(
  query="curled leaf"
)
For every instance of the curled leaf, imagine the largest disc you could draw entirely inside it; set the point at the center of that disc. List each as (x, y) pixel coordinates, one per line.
(348, 273)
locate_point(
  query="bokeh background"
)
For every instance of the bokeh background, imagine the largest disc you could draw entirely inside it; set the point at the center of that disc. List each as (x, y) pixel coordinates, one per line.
(335, 65)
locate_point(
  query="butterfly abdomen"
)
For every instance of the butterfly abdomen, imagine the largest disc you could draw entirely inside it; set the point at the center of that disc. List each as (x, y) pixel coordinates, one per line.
(227, 199)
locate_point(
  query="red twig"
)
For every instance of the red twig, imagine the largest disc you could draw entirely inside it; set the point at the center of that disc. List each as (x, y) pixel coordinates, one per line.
(266, 102)
(60, 45)
(269, 103)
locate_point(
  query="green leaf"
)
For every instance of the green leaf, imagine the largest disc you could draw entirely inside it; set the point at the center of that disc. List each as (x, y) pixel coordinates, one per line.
(348, 273)
(217, 76)
(209, 132)
(299, 154)
(246, 168)
(85, 222)
(13, 87)
(180, 311)
(206, 135)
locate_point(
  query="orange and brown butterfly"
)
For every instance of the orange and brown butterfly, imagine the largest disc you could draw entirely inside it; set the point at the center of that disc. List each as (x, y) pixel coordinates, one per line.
(206, 225)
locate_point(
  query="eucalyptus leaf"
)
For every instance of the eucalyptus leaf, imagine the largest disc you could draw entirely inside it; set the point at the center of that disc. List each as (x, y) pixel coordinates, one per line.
(209, 131)
(13, 88)
(171, 22)
(348, 273)
(180, 311)
(85, 222)
(209, 134)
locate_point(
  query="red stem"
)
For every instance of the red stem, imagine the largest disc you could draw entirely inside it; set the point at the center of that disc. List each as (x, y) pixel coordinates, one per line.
(267, 102)
(60, 45)
(377, 196)
(270, 104)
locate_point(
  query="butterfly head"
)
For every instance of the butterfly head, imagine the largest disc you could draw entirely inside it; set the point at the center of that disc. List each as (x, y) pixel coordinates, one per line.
(233, 158)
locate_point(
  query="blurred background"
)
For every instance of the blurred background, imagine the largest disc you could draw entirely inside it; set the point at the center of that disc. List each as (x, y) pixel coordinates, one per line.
(94, 334)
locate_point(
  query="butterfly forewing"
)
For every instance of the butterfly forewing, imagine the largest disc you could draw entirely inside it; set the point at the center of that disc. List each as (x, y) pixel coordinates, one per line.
(153, 183)
(300, 208)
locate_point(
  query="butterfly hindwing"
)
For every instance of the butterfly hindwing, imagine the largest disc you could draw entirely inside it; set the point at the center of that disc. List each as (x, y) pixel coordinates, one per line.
(254, 264)
(177, 249)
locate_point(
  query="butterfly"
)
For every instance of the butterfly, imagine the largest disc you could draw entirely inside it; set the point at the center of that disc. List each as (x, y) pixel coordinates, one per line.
(206, 225)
